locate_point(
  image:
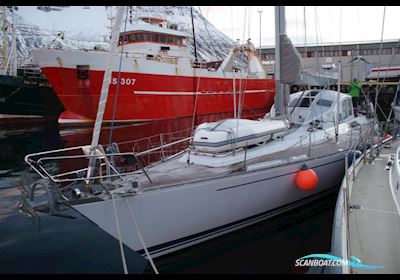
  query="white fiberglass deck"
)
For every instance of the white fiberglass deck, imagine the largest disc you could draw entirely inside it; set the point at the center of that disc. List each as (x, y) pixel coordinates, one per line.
(175, 171)
(374, 229)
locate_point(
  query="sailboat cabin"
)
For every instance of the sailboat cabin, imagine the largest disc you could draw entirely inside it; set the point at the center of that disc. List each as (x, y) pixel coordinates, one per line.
(153, 37)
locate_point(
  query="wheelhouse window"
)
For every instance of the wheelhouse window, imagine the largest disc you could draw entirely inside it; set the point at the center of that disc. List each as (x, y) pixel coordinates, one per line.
(131, 38)
(139, 36)
(148, 36)
(136, 37)
(155, 38)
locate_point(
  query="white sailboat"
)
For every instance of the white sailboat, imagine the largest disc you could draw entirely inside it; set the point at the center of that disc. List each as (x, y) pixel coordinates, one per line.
(236, 173)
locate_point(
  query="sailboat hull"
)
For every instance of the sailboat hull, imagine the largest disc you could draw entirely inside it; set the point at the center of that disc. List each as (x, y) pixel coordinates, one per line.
(177, 217)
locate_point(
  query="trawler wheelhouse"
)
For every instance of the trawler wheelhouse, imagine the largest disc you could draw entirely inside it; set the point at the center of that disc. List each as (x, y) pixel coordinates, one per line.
(155, 36)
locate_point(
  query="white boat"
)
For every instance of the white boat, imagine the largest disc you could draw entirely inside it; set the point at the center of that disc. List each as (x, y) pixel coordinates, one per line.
(225, 135)
(201, 193)
(367, 214)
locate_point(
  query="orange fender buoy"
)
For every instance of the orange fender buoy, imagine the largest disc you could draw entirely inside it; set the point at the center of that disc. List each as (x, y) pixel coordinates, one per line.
(306, 178)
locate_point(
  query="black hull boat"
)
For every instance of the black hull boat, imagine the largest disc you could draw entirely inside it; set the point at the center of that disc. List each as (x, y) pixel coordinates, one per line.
(27, 97)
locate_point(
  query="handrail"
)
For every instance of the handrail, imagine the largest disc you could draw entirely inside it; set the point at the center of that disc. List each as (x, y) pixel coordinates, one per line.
(346, 188)
(37, 165)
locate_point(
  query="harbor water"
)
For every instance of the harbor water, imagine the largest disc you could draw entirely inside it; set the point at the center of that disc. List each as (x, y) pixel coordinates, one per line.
(39, 243)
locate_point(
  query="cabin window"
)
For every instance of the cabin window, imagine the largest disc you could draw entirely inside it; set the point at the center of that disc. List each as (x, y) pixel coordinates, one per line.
(324, 102)
(305, 102)
(313, 93)
(178, 41)
(139, 36)
(131, 38)
(294, 102)
(162, 38)
(170, 39)
(347, 108)
(148, 36)
(155, 38)
(82, 72)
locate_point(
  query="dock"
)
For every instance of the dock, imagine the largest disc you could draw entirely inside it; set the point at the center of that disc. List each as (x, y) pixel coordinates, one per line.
(374, 221)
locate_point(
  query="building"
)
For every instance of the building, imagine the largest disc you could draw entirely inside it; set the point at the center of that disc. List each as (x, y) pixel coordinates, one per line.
(357, 58)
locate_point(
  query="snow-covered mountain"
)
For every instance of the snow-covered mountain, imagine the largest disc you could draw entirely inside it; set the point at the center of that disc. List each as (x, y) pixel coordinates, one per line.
(86, 27)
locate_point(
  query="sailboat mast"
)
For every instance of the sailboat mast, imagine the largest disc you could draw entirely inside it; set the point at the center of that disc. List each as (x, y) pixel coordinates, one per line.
(107, 77)
(280, 94)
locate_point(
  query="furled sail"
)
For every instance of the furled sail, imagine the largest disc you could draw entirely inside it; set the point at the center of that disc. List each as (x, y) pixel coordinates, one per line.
(290, 60)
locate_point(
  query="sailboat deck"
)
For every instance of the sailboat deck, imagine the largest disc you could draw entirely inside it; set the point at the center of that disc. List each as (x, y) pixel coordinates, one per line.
(173, 171)
(374, 229)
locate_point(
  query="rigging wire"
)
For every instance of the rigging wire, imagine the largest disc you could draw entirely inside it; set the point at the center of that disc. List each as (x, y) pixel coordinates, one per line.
(248, 21)
(121, 247)
(244, 24)
(380, 58)
(297, 31)
(316, 38)
(208, 34)
(232, 22)
(141, 238)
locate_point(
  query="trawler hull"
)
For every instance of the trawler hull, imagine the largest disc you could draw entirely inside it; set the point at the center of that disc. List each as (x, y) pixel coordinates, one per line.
(148, 90)
(180, 216)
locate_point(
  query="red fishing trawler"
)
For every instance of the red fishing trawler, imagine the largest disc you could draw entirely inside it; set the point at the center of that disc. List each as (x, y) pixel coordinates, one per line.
(158, 79)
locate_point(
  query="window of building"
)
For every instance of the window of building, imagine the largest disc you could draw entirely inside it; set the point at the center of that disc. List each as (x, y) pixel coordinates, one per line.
(309, 54)
(162, 38)
(386, 51)
(349, 53)
(344, 53)
(170, 39)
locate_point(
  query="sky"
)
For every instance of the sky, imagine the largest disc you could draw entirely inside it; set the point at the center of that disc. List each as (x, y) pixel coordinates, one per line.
(323, 23)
